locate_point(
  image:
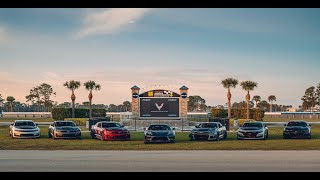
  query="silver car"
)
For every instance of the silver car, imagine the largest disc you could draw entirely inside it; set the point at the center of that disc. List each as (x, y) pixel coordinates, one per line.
(208, 131)
(253, 130)
(24, 129)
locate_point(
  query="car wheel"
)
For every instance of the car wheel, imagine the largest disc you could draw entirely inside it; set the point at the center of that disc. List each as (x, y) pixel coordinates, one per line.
(49, 135)
(238, 138)
(92, 135)
(309, 137)
(102, 137)
(54, 136)
(225, 135)
(218, 137)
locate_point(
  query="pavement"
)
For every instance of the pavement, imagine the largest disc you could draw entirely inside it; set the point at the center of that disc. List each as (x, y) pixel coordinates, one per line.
(158, 161)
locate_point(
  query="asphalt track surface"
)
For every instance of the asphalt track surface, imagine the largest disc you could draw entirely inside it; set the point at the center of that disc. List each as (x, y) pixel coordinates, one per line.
(158, 161)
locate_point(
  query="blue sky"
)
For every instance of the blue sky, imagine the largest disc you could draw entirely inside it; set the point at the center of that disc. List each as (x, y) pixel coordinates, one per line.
(168, 48)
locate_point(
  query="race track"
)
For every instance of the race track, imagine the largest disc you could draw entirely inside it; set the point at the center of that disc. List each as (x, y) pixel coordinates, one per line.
(159, 161)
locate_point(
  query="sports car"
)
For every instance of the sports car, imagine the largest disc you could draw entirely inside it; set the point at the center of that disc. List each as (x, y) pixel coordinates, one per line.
(109, 131)
(159, 133)
(64, 130)
(24, 129)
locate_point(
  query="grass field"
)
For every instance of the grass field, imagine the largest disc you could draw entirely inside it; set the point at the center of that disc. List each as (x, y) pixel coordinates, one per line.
(275, 142)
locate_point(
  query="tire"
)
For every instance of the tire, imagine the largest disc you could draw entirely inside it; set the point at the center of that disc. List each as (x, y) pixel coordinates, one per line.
(92, 135)
(49, 135)
(309, 137)
(225, 135)
(218, 137)
(54, 135)
(10, 134)
(102, 137)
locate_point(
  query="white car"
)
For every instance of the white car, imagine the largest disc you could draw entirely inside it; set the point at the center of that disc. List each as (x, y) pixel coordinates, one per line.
(24, 129)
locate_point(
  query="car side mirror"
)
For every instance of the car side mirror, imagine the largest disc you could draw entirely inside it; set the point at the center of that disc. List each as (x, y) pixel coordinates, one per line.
(11, 124)
(51, 124)
(173, 129)
(36, 124)
(309, 124)
(122, 125)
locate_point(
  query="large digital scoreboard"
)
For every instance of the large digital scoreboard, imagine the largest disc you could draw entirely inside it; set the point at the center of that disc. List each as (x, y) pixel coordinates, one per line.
(159, 104)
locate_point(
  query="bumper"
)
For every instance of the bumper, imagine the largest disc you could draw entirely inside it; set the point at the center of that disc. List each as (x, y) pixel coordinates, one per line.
(199, 137)
(34, 134)
(63, 135)
(250, 136)
(117, 137)
(159, 139)
(299, 135)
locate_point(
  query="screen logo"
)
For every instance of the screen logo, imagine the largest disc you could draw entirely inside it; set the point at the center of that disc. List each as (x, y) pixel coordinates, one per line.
(159, 107)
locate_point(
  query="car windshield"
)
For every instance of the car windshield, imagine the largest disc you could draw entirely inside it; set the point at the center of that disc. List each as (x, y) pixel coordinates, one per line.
(297, 123)
(252, 125)
(159, 127)
(107, 125)
(67, 123)
(208, 125)
(24, 123)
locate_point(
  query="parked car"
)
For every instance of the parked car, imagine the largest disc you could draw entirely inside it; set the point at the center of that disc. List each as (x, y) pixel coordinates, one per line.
(109, 131)
(160, 133)
(253, 130)
(24, 129)
(297, 129)
(64, 130)
(208, 131)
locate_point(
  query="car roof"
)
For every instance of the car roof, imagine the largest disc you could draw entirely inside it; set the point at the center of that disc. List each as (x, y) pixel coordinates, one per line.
(158, 124)
(23, 120)
(62, 121)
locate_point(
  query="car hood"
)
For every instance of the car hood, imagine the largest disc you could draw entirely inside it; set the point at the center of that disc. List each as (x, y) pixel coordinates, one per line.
(296, 128)
(26, 127)
(250, 128)
(203, 129)
(116, 129)
(159, 133)
(67, 128)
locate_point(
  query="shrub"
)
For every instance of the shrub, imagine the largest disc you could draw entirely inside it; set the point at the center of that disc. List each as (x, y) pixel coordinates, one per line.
(62, 113)
(256, 114)
(215, 112)
(78, 121)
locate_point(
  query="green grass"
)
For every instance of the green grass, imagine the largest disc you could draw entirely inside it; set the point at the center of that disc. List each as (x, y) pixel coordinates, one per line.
(275, 142)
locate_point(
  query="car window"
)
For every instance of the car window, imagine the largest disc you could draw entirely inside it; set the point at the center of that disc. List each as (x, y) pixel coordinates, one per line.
(159, 127)
(297, 123)
(108, 125)
(208, 125)
(24, 123)
(66, 123)
(252, 125)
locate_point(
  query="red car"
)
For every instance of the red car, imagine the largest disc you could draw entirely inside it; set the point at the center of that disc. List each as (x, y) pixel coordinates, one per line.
(109, 131)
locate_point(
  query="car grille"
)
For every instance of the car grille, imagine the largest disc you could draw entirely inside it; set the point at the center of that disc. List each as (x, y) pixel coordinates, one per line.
(69, 135)
(68, 131)
(201, 136)
(249, 134)
(118, 132)
(26, 135)
(159, 138)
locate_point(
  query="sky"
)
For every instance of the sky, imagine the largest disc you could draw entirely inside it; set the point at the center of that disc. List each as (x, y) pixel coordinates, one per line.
(160, 49)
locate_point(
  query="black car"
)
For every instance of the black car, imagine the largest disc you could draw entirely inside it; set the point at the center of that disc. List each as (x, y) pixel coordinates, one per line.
(64, 130)
(160, 133)
(208, 131)
(297, 129)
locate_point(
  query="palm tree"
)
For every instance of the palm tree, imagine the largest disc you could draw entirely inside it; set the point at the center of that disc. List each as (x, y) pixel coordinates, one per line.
(271, 98)
(127, 105)
(257, 99)
(229, 83)
(248, 86)
(10, 99)
(72, 85)
(90, 86)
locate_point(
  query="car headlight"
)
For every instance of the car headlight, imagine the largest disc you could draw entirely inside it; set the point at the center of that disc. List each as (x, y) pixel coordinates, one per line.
(261, 132)
(170, 133)
(213, 132)
(149, 133)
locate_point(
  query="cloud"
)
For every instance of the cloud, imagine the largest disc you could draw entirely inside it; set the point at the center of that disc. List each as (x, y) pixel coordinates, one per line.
(4, 35)
(110, 21)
